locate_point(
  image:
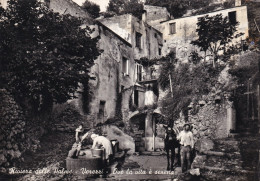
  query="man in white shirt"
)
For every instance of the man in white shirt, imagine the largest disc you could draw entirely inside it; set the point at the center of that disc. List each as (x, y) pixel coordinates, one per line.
(187, 144)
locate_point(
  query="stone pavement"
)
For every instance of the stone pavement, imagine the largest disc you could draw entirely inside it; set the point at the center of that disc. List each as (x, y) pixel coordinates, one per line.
(144, 167)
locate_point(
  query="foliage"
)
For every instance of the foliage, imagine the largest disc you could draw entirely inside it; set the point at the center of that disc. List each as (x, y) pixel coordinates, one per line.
(198, 4)
(194, 57)
(229, 4)
(253, 19)
(43, 55)
(119, 7)
(66, 113)
(92, 8)
(246, 67)
(189, 83)
(167, 67)
(215, 34)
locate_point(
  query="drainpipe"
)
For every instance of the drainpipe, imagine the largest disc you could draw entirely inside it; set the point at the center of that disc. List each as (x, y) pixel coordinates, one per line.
(258, 95)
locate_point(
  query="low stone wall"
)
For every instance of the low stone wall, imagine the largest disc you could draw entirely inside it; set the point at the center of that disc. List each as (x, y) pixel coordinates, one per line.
(209, 122)
(12, 135)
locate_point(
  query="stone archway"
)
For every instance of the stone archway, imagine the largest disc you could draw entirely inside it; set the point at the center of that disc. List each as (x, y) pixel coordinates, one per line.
(148, 130)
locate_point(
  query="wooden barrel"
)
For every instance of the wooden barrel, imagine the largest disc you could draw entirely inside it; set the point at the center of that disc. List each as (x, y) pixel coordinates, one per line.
(86, 166)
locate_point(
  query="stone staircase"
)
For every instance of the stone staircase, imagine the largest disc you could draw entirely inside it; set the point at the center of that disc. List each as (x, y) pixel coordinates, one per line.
(230, 159)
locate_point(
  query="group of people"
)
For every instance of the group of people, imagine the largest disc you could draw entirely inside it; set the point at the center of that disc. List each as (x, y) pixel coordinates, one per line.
(98, 142)
(185, 138)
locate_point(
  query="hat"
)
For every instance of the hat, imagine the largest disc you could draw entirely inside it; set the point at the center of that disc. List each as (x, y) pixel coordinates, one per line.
(79, 130)
(187, 124)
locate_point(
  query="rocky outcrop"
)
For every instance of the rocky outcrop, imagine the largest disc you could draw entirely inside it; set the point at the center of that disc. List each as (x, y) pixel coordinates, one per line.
(126, 142)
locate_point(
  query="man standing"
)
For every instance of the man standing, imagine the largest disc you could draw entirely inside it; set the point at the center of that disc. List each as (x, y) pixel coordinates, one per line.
(187, 144)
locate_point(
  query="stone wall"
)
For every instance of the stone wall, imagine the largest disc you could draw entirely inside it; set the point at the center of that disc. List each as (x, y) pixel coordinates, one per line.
(156, 14)
(109, 77)
(68, 7)
(12, 134)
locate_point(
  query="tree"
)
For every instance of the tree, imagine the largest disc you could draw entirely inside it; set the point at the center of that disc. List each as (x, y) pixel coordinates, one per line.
(215, 34)
(92, 8)
(119, 7)
(188, 84)
(44, 55)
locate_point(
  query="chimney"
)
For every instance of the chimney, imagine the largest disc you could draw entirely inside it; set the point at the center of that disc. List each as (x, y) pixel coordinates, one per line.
(144, 16)
(237, 2)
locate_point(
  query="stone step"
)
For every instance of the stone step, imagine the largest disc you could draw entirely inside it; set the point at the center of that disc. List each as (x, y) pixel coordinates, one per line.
(224, 162)
(224, 176)
(227, 145)
(233, 155)
(221, 161)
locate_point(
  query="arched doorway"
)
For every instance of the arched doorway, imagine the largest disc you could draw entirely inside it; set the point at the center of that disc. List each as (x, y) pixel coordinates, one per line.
(148, 130)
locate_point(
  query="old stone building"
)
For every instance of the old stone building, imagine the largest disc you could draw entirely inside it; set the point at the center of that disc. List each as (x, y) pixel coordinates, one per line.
(117, 75)
(178, 33)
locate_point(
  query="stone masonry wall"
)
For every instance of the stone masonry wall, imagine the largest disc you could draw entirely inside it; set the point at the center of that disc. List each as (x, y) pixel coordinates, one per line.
(68, 7)
(12, 126)
(156, 14)
(109, 76)
(210, 121)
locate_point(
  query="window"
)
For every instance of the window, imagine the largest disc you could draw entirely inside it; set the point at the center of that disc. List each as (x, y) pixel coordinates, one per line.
(125, 66)
(139, 72)
(136, 97)
(122, 88)
(232, 17)
(101, 112)
(155, 35)
(160, 51)
(172, 28)
(138, 37)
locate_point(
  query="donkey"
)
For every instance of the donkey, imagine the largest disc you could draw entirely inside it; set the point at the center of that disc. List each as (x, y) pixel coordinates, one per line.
(170, 143)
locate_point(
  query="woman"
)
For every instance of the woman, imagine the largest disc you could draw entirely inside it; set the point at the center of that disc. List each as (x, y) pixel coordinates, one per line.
(104, 142)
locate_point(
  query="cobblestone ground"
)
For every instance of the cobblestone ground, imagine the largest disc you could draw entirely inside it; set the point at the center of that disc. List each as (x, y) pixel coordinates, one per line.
(143, 167)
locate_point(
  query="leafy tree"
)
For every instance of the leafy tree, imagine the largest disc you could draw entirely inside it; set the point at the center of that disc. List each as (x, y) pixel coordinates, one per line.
(188, 83)
(119, 7)
(215, 34)
(92, 8)
(194, 57)
(44, 55)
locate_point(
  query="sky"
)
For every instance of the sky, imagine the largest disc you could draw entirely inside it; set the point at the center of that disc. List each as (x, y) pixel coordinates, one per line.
(102, 3)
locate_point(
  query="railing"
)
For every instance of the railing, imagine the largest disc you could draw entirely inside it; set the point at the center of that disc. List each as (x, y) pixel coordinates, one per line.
(148, 76)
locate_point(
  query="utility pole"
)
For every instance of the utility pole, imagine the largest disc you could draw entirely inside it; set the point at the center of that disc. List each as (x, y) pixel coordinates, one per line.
(171, 84)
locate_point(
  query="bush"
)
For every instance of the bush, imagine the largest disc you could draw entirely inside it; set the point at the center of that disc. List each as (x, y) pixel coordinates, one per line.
(66, 113)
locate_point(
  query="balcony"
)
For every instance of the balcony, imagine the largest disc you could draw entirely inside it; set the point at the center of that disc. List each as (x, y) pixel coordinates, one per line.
(148, 76)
